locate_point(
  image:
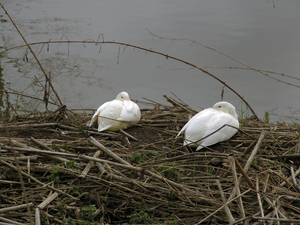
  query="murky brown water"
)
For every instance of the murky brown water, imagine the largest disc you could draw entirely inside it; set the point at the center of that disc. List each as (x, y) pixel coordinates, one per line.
(253, 32)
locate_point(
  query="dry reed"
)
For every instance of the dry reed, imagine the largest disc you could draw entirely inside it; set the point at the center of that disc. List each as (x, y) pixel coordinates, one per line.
(143, 175)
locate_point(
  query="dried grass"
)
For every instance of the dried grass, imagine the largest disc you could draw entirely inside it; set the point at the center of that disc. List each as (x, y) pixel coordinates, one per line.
(143, 175)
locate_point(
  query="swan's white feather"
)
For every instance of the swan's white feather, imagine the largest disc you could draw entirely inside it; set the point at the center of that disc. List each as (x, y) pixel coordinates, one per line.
(206, 122)
(117, 114)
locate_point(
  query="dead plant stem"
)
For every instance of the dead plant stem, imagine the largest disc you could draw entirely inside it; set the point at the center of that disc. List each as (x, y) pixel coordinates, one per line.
(36, 180)
(153, 51)
(28, 45)
(245, 192)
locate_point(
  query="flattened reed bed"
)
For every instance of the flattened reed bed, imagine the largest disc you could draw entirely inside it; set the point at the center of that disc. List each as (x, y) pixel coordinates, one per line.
(73, 174)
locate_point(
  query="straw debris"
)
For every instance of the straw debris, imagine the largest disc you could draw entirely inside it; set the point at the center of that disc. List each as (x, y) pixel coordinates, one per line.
(72, 174)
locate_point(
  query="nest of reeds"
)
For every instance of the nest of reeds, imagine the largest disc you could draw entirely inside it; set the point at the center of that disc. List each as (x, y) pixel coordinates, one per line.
(55, 170)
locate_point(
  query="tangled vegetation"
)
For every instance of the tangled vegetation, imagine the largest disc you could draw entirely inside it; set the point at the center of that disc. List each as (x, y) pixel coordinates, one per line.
(53, 164)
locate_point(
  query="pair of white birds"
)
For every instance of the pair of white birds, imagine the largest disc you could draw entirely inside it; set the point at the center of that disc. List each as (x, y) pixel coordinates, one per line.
(122, 113)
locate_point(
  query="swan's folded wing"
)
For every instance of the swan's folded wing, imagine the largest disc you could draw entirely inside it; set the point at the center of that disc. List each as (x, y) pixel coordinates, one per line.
(130, 112)
(109, 115)
(225, 133)
(198, 125)
(195, 120)
(96, 114)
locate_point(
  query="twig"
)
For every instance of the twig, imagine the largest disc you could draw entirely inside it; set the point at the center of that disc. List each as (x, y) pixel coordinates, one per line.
(108, 152)
(28, 96)
(37, 216)
(148, 50)
(14, 208)
(47, 78)
(219, 52)
(9, 182)
(53, 217)
(140, 184)
(276, 210)
(28, 168)
(42, 206)
(40, 144)
(243, 172)
(226, 208)
(249, 162)
(48, 200)
(175, 103)
(245, 192)
(17, 168)
(178, 98)
(128, 135)
(288, 179)
(43, 152)
(10, 222)
(259, 198)
(31, 125)
(155, 103)
(276, 219)
(147, 172)
(266, 183)
(36, 180)
(90, 164)
(247, 166)
(129, 166)
(248, 150)
(294, 179)
(241, 156)
(30, 149)
(232, 161)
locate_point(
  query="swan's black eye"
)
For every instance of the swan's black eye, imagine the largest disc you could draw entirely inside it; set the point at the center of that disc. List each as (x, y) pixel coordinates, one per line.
(219, 106)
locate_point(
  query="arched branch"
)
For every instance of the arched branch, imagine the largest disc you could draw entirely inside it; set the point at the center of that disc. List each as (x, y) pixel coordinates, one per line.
(147, 50)
(264, 72)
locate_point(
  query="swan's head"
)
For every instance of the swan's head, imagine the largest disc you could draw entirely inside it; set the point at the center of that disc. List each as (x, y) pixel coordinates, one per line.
(226, 107)
(123, 96)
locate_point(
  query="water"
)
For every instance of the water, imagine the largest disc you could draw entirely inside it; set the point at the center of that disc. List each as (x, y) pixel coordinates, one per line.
(254, 32)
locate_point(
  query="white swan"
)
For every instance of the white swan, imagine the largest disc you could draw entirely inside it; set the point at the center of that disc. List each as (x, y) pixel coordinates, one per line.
(117, 114)
(209, 120)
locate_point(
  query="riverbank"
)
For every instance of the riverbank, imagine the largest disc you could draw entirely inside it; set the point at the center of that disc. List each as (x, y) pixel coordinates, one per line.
(71, 174)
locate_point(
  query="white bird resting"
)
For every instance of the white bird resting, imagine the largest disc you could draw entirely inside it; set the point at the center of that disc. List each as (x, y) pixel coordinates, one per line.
(117, 114)
(207, 122)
